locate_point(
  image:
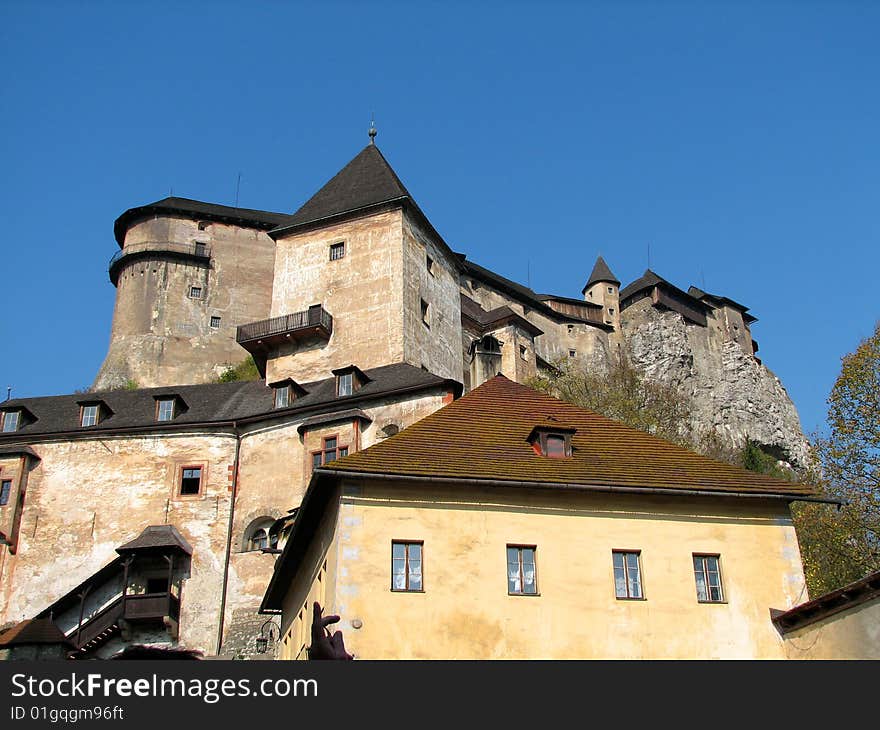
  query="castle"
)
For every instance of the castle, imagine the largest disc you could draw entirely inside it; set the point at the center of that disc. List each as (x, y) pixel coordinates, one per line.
(156, 512)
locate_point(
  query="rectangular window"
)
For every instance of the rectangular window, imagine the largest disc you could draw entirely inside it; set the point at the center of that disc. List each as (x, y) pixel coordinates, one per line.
(406, 566)
(195, 292)
(337, 251)
(330, 452)
(572, 353)
(429, 264)
(11, 420)
(282, 396)
(165, 409)
(344, 384)
(627, 574)
(707, 572)
(426, 314)
(89, 416)
(5, 488)
(215, 322)
(523, 352)
(521, 574)
(201, 248)
(191, 480)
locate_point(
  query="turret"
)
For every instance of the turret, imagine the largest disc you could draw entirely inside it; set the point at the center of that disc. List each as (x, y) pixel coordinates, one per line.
(603, 288)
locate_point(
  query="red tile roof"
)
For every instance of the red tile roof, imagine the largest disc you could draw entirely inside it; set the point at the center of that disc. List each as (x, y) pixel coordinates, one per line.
(483, 435)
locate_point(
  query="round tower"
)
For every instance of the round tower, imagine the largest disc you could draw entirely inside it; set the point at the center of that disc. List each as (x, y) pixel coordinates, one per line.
(187, 273)
(603, 289)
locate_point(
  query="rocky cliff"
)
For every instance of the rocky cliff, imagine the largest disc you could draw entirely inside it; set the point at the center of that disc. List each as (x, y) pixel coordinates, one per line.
(730, 390)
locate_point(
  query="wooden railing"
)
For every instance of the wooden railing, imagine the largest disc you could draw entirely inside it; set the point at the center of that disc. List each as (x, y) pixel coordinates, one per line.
(132, 607)
(315, 316)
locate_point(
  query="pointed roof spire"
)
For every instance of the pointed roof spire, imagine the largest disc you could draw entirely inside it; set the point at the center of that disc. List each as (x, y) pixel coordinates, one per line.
(601, 272)
(372, 131)
(366, 181)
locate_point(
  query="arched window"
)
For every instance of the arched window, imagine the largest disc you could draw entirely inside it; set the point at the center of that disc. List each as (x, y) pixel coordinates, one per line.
(260, 535)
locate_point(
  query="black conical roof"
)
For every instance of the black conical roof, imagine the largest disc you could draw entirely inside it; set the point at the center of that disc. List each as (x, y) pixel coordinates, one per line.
(365, 181)
(601, 272)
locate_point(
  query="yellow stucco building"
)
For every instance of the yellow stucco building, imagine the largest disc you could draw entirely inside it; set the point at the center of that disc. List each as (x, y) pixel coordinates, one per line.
(512, 525)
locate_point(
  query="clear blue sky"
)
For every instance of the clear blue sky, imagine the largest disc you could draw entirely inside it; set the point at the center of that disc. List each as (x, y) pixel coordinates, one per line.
(739, 141)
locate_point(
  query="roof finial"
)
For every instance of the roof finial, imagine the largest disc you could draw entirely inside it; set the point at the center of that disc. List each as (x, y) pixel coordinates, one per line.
(372, 130)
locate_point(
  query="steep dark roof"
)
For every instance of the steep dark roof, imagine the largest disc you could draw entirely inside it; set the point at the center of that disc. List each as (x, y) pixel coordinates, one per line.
(157, 537)
(717, 300)
(262, 219)
(601, 272)
(366, 181)
(208, 403)
(648, 279)
(527, 296)
(33, 631)
(483, 435)
(494, 318)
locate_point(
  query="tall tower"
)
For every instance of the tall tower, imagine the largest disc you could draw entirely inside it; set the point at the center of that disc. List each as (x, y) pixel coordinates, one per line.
(187, 273)
(604, 288)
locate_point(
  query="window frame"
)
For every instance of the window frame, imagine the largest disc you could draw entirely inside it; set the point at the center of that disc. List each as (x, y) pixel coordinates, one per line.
(407, 544)
(343, 377)
(82, 414)
(159, 402)
(519, 548)
(199, 289)
(190, 467)
(625, 553)
(539, 438)
(324, 450)
(425, 308)
(214, 318)
(335, 247)
(5, 491)
(429, 264)
(278, 389)
(15, 414)
(704, 557)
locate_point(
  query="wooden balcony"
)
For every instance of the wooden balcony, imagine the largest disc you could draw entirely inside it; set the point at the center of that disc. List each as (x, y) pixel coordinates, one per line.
(258, 337)
(143, 608)
(199, 253)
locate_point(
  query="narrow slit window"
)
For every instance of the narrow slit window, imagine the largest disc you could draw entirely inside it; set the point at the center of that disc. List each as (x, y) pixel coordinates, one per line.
(426, 314)
(5, 489)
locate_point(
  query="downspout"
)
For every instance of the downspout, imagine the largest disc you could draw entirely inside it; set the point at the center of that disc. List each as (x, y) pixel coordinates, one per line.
(229, 535)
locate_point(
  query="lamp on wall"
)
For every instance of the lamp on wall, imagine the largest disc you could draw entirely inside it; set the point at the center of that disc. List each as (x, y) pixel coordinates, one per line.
(267, 634)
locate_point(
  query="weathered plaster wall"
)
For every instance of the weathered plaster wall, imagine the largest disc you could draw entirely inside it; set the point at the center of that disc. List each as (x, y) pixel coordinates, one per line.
(432, 345)
(88, 496)
(160, 334)
(851, 634)
(466, 612)
(729, 390)
(363, 291)
(590, 344)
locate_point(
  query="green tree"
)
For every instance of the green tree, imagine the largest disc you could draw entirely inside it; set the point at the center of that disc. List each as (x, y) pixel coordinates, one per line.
(840, 546)
(245, 370)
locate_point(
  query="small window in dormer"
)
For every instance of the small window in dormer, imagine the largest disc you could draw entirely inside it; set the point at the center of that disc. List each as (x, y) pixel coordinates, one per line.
(345, 384)
(282, 396)
(553, 442)
(89, 414)
(165, 409)
(337, 251)
(11, 421)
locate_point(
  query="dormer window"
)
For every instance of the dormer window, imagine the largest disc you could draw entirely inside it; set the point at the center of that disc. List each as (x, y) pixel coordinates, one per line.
(284, 392)
(349, 379)
(11, 421)
(89, 414)
(165, 409)
(344, 384)
(553, 442)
